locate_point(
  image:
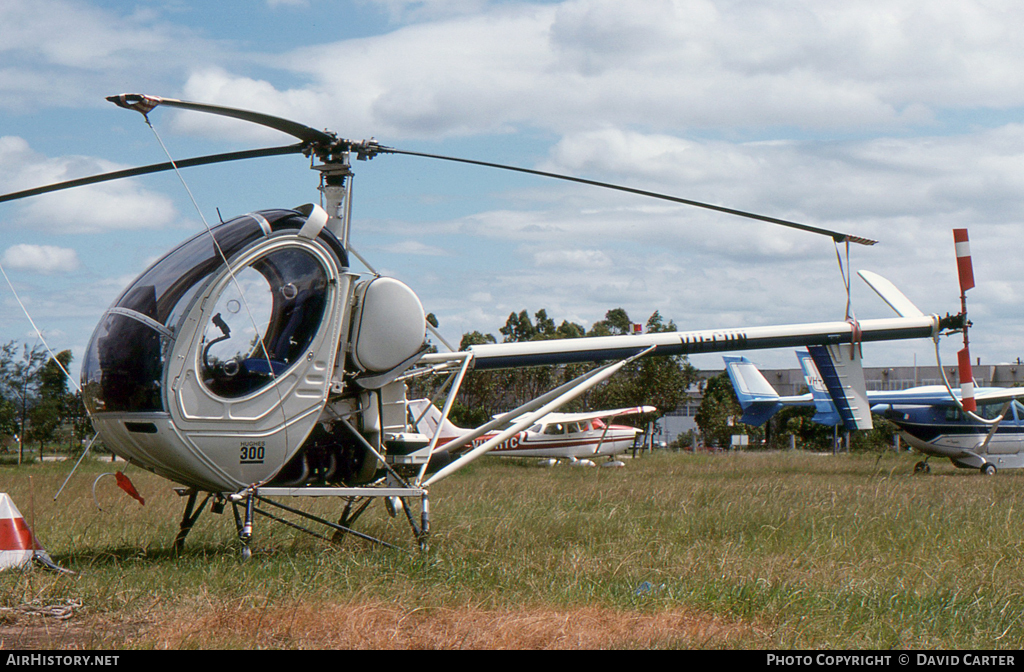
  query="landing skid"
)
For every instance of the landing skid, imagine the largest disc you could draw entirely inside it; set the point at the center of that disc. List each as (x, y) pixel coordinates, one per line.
(247, 504)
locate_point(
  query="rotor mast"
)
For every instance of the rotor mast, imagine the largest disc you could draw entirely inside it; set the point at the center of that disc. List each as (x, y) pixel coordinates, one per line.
(336, 186)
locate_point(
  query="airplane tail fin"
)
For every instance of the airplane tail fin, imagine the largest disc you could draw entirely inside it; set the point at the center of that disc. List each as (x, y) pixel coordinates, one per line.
(843, 376)
(757, 397)
(825, 410)
(427, 415)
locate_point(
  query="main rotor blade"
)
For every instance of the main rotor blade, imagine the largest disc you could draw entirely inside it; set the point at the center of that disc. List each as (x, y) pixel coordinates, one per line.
(142, 103)
(834, 235)
(156, 168)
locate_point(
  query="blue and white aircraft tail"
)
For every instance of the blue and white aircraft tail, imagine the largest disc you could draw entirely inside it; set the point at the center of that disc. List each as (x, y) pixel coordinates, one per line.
(930, 419)
(839, 396)
(757, 397)
(825, 410)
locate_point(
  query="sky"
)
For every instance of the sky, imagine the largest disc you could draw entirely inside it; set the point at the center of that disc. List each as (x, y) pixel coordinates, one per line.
(893, 121)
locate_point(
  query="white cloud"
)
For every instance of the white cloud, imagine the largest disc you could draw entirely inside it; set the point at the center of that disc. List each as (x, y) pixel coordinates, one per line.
(800, 110)
(420, 10)
(45, 259)
(61, 52)
(116, 205)
(663, 64)
(415, 247)
(572, 258)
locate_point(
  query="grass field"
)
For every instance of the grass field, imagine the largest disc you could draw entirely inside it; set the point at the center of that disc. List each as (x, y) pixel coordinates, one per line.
(741, 550)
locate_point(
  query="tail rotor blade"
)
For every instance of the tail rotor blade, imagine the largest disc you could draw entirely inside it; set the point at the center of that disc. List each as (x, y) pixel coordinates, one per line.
(964, 267)
(965, 272)
(966, 380)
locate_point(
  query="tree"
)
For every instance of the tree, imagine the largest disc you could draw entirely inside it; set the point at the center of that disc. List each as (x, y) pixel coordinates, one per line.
(20, 382)
(615, 323)
(53, 403)
(719, 413)
(658, 381)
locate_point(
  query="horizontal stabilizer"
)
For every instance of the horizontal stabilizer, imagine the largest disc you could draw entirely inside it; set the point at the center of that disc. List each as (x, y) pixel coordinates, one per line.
(757, 397)
(843, 376)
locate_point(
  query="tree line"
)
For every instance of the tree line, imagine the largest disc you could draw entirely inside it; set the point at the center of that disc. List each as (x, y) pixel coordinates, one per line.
(36, 406)
(657, 381)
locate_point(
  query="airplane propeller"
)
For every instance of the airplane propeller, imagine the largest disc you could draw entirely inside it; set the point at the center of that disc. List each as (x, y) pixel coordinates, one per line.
(965, 273)
(332, 150)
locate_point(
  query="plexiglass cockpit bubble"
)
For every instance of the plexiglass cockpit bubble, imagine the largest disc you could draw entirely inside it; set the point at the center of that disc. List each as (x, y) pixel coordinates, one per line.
(262, 322)
(124, 362)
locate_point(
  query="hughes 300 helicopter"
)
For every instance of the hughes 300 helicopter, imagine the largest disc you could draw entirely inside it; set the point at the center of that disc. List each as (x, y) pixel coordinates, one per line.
(251, 363)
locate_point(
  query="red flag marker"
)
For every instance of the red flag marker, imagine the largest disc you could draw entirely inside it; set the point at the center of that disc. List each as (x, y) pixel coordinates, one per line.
(125, 484)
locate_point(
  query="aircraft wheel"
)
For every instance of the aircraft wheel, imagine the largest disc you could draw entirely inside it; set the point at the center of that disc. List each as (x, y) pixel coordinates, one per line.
(988, 469)
(922, 468)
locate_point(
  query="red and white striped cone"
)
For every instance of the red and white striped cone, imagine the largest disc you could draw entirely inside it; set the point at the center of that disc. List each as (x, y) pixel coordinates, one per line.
(16, 540)
(18, 546)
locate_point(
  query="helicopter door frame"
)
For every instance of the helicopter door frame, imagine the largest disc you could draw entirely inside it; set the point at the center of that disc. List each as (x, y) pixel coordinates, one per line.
(275, 418)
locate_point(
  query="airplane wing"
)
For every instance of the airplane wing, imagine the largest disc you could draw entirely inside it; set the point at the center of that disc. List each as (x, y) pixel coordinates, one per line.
(760, 401)
(580, 417)
(938, 395)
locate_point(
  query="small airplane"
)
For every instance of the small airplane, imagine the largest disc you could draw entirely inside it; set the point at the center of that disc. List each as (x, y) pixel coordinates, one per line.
(931, 418)
(254, 362)
(579, 438)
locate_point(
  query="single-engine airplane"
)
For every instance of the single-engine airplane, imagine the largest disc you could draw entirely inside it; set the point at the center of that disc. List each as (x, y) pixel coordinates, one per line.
(578, 438)
(253, 363)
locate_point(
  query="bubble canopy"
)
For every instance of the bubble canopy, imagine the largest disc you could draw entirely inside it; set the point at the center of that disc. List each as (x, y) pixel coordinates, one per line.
(263, 320)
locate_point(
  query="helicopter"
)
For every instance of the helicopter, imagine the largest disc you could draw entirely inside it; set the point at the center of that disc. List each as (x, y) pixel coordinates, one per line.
(252, 363)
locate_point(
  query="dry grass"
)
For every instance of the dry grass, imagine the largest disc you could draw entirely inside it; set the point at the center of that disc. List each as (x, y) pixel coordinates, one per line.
(713, 551)
(371, 625)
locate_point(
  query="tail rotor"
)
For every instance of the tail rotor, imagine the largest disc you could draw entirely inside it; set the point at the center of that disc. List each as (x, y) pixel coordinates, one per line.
(965, 272)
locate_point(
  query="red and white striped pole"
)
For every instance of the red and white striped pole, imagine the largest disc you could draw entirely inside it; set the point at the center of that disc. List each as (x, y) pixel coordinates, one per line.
(965, 272)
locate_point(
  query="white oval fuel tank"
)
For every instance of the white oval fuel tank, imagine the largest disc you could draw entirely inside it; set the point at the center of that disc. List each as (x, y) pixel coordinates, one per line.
(388, 326)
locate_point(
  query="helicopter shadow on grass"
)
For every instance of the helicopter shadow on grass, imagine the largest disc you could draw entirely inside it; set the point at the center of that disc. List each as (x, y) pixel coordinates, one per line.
(84, 558)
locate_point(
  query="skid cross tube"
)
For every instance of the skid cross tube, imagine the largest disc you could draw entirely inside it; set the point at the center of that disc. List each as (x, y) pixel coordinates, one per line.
(309, 516)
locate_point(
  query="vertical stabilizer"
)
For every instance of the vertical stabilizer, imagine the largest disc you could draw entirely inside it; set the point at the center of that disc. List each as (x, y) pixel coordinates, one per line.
(843, 376)
(825, 410)
(426, 416)
(757, 397)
